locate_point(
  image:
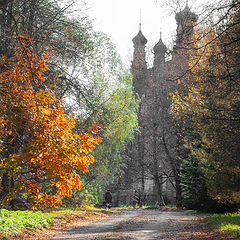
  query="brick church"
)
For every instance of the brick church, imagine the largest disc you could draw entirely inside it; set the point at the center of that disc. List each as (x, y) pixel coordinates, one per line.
(152, 168)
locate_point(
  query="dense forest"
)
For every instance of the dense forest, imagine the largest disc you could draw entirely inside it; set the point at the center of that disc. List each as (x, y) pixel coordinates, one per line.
(68, 110)
(207, 107)
(61, 82)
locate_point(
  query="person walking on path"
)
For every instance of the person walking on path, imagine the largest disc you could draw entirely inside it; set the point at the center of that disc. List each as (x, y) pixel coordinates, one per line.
(108, 198)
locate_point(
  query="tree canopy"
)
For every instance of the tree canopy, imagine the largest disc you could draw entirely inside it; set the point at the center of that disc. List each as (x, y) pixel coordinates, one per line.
(60, 82)
(212, 103)
(38, 139)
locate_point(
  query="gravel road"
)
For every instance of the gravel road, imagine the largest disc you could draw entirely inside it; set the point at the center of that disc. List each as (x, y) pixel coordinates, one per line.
(144, 225)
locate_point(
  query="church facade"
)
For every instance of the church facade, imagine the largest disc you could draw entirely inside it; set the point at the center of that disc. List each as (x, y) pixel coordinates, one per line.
(152, 168)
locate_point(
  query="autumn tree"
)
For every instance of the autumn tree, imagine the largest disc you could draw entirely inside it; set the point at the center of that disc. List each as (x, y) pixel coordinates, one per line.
(102, 92)
(85, 69)
(47, 22)
(38, 141)
(213, 102)
(51, 25)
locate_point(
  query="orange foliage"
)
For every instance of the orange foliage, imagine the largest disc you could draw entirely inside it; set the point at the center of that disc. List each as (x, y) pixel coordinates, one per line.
(43, 143)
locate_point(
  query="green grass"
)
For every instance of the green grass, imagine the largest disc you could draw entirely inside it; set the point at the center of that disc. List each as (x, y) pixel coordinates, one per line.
(14, 221)
(229, 223)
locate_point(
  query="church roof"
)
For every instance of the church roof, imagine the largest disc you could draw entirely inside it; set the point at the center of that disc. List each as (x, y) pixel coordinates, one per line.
(139, 39)
(160, 47)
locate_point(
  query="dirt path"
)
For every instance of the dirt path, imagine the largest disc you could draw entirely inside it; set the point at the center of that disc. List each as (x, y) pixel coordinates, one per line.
(144, 225)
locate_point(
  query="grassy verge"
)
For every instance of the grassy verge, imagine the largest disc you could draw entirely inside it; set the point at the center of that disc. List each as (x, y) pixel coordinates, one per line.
(14, 223)
(229, 223)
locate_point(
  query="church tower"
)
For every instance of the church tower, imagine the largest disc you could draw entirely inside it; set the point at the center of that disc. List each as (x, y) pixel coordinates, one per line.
(185, 22)
(159, 53)
(139, 65)
(153, 156)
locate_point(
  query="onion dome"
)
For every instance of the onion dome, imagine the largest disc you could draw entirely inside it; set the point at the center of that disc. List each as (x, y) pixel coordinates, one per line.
(160, 47)
(139, 39)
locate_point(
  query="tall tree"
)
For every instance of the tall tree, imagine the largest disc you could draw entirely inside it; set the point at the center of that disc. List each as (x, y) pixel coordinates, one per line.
(38, 139)
(107, 98)
(85, 69)
(213, 103)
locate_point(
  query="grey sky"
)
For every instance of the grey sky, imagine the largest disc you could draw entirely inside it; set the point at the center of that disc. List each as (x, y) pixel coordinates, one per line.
(120, 20)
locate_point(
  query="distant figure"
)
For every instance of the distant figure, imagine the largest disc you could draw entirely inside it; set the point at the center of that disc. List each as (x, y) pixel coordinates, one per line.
(108, 198)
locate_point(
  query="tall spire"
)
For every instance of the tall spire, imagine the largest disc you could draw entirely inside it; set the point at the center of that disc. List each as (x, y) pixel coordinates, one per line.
(160, 28)
(186, 17)
(140, 39)
(140, 20)
(186, 9)
(139, 64)
(186, 20)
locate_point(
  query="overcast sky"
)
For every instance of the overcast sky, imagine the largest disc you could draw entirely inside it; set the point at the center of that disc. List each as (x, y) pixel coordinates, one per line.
(120, 19)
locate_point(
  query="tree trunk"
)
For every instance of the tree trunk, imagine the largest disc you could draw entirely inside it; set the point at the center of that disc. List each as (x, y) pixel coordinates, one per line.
(178, 191)
(175, 167)
(141, 157)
